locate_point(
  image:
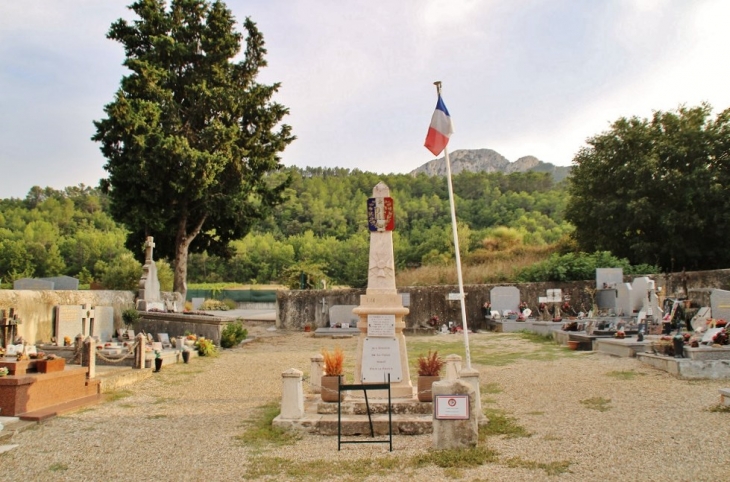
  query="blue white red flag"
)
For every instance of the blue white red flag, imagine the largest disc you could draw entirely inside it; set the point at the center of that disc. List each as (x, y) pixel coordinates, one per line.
(440, 129)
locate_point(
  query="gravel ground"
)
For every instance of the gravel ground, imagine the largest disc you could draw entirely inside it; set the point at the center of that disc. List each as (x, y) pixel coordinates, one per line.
(183, 422)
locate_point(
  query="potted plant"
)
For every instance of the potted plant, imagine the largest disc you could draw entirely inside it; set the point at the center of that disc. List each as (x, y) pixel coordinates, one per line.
(429, 371)
(158, 360)
(130, 316)
(4, 371)
(333, 371)
(307, 327)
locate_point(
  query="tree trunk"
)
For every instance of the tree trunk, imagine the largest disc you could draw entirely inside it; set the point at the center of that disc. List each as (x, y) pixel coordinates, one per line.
(182, 244)
(181, 268)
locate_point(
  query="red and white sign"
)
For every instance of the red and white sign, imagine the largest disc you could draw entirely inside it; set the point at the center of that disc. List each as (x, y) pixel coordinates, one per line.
(451, 407)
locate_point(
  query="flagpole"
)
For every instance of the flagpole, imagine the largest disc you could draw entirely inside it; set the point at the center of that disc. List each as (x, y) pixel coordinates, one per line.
(456, 249)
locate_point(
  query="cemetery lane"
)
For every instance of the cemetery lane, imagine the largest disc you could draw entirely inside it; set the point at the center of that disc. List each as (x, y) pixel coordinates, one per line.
(583, 416)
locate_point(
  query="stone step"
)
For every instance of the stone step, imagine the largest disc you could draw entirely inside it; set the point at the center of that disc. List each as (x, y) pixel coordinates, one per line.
(358, 407)
(61, 408)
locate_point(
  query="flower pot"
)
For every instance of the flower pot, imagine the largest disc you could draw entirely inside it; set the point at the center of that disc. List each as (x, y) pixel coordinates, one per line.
(424, 387)
(186, 356)
(307, 328)
(573, 345)
(158, 364)
(330, 388)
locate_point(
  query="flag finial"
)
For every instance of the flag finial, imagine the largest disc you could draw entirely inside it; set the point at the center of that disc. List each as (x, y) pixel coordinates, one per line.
(438, 87)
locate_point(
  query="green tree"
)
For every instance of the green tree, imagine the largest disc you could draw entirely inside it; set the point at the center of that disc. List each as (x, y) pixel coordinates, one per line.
(191, 137)
(655, 191)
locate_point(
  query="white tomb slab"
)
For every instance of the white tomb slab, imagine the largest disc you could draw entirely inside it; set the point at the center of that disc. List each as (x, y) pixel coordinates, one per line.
(103, 323)
(68, 322)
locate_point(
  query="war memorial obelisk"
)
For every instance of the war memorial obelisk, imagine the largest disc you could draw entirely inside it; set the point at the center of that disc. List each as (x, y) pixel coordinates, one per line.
(381, 347)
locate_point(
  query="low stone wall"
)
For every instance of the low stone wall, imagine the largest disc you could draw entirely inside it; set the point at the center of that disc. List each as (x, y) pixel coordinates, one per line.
(295, 308)
(35, 308)
(177, 324)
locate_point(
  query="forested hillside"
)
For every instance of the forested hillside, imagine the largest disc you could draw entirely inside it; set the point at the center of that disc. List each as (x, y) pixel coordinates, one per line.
(320, 229)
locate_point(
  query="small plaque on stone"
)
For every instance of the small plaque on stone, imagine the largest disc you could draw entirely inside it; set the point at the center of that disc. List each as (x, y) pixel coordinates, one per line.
(381, 325)
(451, 407)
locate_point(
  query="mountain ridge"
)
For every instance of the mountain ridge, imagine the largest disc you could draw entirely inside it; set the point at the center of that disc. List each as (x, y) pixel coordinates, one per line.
(489, 160)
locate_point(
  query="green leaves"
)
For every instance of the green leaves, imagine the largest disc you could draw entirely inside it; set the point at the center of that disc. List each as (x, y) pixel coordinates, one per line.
(652, 191)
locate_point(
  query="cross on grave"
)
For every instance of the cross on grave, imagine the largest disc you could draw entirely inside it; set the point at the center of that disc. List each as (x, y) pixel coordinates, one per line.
(87, 320)
(9, 323)
(149, 244)
(324, 306)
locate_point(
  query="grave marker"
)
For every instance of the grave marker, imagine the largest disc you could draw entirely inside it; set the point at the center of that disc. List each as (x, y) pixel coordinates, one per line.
(68, 322)
(505, 298)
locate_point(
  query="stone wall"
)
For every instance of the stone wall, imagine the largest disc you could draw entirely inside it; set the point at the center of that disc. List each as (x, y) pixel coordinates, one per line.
(35, 308)
(295, 308)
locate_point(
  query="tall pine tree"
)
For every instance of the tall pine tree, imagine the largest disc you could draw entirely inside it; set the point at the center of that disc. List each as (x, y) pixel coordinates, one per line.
(191, 138)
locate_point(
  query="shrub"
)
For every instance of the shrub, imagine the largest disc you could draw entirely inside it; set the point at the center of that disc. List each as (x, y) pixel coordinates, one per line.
(233, 334)
(130, 316)
(213, 305)
(206, 347)
(333, 362)
(430, 365)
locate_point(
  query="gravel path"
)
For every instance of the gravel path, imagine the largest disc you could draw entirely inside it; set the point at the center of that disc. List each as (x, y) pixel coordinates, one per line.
(182, 423)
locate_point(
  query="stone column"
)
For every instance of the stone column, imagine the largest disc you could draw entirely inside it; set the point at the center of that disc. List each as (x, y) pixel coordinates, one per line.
(453, 367)
(139, 351)
(455, 434)
(292, 395)
(89, 356)
(470, 376)
(315, 373)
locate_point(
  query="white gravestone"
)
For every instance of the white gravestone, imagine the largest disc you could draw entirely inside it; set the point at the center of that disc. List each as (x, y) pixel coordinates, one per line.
(68, 322)
(505, 298)
(149, 285)
(609, 278)
(720, 304)
(103, 323)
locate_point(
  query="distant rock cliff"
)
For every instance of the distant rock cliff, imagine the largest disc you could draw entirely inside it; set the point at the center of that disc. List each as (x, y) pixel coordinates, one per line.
(487, 160)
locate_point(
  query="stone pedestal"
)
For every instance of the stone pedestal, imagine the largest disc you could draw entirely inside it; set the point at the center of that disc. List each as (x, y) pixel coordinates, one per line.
(453, 367)
(292, 396)
(384, 304)
(316, 370)
(455, 434)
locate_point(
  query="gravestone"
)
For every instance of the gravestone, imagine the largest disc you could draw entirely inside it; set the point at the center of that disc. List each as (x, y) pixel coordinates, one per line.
(606, 299)
(339, 314)
(103, 323)
(720, 304)
(623, 299)
(381, 347)
(644, 296)
(149, 297)
(554, 295)
(505, 298)
(32, 284)
(609, 278)
(63, 282)
(197, 303)
(68, 322)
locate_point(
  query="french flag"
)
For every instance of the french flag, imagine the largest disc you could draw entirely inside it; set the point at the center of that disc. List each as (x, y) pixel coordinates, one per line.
(440, 129)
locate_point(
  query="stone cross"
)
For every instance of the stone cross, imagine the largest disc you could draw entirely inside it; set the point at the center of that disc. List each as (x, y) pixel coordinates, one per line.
(87, 320)
(149, 245)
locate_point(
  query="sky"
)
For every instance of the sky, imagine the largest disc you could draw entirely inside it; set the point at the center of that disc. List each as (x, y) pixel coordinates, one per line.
(522, 77)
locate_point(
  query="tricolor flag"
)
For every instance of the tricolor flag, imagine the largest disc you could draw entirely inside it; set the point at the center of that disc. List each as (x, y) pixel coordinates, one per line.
(439, 130)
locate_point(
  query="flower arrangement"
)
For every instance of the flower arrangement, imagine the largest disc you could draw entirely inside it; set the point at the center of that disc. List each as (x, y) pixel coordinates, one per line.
(4, 371)
(206, 347)
(430, 365)
(333, 362)
(158, 354)
(66, 341)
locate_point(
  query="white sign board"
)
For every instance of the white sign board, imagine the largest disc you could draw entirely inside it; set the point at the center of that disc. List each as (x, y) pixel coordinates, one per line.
(454, 297)
(555, 296)
(451, 407)
(381, 356)
(381, 325)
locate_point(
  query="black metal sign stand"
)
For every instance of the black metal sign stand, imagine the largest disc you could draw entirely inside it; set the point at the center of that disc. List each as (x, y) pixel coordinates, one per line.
(364, 388)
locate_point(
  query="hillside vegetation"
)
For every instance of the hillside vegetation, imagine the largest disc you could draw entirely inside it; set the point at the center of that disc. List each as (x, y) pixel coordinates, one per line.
(506, 223)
